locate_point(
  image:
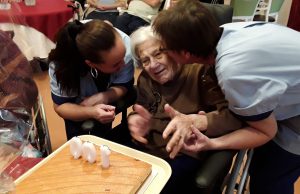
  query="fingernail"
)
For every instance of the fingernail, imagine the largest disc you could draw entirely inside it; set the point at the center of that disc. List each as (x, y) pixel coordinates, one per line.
(168, 149)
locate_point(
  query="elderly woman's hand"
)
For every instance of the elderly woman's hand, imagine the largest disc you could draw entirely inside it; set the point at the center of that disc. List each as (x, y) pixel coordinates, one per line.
(139, 123)
(180, 127)
(197, 141)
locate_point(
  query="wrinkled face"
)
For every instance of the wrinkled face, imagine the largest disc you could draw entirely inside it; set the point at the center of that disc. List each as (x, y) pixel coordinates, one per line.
(113, 58)
(156, 62)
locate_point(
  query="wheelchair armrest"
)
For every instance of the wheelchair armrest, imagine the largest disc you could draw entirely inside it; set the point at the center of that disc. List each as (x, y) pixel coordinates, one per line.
(211, 174)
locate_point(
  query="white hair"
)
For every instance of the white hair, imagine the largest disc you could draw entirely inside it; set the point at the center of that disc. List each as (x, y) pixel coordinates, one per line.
(138, 37)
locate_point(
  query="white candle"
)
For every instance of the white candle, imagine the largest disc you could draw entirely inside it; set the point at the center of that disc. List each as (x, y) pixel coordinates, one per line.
(89, 152)
(105, 152)
(76, 147)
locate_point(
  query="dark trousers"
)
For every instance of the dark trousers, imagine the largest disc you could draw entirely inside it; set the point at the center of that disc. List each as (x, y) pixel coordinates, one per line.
(273, 170)
(129, 23)
(182, 180)
(109, 16)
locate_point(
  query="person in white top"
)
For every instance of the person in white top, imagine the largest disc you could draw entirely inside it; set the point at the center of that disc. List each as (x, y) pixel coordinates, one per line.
(139, 13)
(105, 9)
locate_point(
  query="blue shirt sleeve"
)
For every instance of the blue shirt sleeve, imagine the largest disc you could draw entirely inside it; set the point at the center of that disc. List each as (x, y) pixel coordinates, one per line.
(58, 96)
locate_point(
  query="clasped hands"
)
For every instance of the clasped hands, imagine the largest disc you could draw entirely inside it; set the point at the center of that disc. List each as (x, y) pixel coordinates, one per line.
(185, 129)
(100, 110)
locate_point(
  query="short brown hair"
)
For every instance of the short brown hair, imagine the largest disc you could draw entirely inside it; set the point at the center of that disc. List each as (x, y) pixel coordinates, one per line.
(188, 26)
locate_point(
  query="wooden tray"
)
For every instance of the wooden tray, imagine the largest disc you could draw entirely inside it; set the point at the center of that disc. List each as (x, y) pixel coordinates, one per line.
(60, 173)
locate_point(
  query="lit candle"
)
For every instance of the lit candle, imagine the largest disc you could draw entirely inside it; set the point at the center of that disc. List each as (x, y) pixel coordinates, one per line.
(89, 152)
(105, 152)
(76, 147)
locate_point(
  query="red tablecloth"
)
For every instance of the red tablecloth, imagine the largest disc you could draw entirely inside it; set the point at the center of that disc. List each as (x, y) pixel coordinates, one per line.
(47, 16)
(294, 21)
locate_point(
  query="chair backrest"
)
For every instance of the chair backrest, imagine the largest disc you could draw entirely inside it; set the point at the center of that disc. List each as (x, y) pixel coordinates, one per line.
(244, 8)
(276, 6)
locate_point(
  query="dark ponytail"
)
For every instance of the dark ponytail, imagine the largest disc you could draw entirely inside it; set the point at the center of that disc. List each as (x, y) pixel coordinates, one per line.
(69, 63)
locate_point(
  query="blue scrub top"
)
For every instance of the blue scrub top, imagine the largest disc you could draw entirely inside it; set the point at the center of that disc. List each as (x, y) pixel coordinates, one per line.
(258, 68)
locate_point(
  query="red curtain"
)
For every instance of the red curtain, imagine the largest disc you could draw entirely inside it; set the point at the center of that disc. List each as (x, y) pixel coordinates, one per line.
(294, 18)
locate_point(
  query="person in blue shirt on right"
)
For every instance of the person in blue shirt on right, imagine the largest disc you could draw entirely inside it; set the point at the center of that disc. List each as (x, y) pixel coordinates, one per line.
(258, 69)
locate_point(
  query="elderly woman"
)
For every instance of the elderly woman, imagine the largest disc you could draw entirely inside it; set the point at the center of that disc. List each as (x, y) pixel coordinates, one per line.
(187, 88)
